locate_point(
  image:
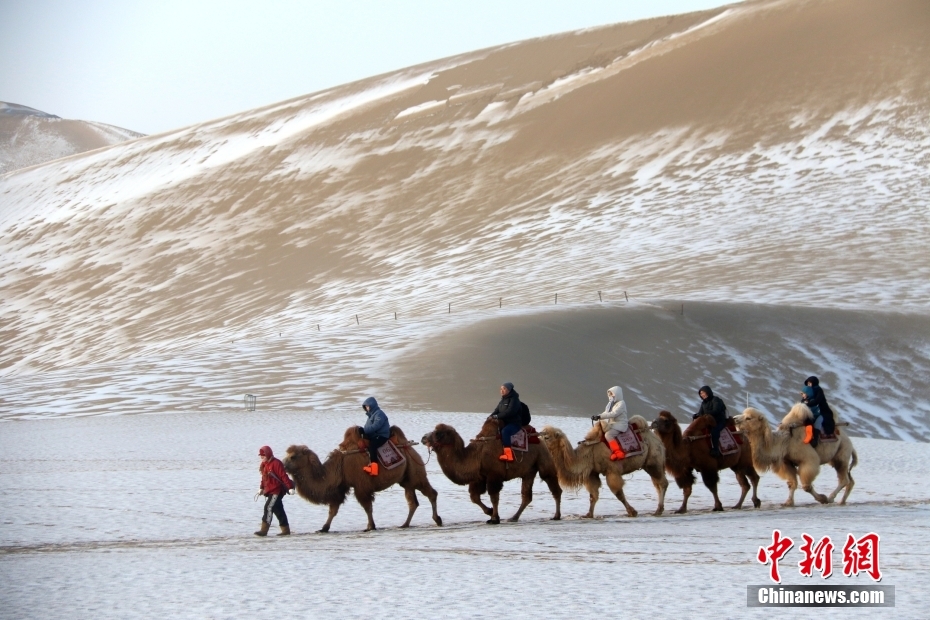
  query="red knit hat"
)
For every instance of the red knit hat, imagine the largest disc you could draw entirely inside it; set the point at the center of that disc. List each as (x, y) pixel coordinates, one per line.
(265, 451)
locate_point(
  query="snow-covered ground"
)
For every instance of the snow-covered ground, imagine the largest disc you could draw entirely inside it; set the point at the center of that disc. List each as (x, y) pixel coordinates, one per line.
(151, 516)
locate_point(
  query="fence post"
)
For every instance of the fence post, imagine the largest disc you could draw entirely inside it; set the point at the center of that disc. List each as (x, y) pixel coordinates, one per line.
(599, 298)
(556, 298)
(450, 307)
(356, 320)
(395, 316)
(627, 297)
(500, 302)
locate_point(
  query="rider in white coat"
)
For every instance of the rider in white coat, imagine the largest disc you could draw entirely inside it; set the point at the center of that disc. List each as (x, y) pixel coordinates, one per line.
(614, 421)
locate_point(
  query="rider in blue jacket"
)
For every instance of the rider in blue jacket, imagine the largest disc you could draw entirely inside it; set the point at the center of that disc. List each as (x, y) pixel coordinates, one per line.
(377, 431)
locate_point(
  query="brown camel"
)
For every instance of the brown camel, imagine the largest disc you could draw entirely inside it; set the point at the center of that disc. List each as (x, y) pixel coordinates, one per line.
(478, 466)
(585, 464)
(329, 482)
(683, 455)
(785, 453)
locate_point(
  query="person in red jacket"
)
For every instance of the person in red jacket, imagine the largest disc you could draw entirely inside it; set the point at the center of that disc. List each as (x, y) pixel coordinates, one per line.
(275, 485)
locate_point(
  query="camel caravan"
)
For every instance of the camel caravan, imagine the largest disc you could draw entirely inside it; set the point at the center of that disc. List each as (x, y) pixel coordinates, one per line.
(378, 456)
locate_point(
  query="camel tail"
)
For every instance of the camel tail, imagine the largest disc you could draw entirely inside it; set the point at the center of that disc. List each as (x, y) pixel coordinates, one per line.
(855, 459)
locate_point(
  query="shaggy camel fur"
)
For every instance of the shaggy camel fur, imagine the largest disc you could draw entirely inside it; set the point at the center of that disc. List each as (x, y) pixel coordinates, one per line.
(329, 482)
(585, 464)
(785, 453)
(478, 466)
(682, 456)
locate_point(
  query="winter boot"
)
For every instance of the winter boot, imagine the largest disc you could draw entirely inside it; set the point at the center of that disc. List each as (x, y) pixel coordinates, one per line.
(263, 531)
(616, 452)
(372, 469)
(507, 455)
(815, 439)
(808, 433)
(285, 530)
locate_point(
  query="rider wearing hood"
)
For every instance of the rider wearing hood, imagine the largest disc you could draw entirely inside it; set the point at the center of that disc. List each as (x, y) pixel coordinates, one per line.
(507, 414)
(614, 421)
(713, 406)
(377, 431)
(819, 399)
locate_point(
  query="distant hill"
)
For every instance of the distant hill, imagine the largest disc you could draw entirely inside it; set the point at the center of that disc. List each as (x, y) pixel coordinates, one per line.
(770, 152)
(29, 137)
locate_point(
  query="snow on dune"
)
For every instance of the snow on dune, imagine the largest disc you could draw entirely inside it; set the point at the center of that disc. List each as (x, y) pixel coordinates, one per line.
(142, 275)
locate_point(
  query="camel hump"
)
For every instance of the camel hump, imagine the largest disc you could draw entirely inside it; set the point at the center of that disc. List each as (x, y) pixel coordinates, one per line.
(800, 414)
(397, 435)
(639, 422)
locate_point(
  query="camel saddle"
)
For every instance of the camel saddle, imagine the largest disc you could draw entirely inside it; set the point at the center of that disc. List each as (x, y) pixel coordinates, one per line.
(631, 442)
(824, 438)
(522, 439)
(389, 454)
(728, 442)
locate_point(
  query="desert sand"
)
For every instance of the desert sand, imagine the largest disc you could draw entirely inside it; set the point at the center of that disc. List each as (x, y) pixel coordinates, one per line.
(771, 152)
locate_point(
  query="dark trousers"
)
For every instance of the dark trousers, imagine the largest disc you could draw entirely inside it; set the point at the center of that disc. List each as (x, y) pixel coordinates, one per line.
(274, 505)
(508, 432)
(373, 444)
(715, 433)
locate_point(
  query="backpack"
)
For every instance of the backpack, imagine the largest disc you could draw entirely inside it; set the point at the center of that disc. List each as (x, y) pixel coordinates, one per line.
(524, 414)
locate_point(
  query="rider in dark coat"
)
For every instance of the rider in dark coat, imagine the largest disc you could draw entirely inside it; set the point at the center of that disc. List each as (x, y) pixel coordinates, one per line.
(377, 431)
(713, 406)
(507, 414)
(819, 399)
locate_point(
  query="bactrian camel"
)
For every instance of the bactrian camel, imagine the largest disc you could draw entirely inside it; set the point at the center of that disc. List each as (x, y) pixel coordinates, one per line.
(783, 451)
(683, 455)
(329, 483)
(586, 464)
(478, 465)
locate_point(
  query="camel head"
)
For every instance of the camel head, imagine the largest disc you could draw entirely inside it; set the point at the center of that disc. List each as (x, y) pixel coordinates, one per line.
(665, 424)
(297, 459)
(442, 436)
(551, 435)
(752, 421)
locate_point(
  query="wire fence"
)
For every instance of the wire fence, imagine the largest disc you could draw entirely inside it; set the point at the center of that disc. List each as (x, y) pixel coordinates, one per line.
(416, 311)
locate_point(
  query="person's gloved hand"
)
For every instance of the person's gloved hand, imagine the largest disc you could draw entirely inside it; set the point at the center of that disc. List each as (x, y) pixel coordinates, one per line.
(696, 416)
(493, 416)
(291, 491)
(595, 418)
(361, 431)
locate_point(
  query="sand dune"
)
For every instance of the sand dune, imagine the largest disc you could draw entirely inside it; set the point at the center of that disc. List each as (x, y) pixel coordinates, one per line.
(772, 152)
(29, 137)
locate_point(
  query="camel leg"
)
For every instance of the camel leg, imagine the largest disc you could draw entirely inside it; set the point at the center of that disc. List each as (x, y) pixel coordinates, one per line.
(366, 502)
(550, 476)
(849, 487)
(808, 472)
(842, 478)
(412, 504)
(494, 493)
(789, 474)
(710, 480)
(333, 509)
(660, 482)
(615, 484)
(427, 490)
(475, 490)
(744, 488)
(754, 480)
(593, 485)
(686, 493)
(526, 496)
